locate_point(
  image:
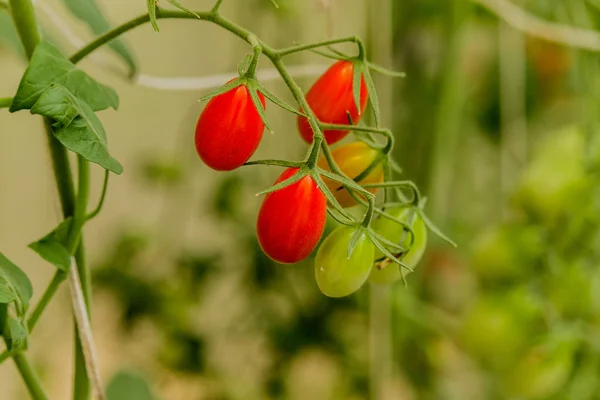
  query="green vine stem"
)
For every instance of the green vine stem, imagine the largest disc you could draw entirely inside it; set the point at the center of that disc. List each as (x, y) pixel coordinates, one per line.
(23, 14)
(30, 377)
(5, 102)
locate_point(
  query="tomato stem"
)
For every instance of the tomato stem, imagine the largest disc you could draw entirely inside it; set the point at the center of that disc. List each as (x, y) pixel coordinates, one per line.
(257, 50)
(5, 102)
(215, 8)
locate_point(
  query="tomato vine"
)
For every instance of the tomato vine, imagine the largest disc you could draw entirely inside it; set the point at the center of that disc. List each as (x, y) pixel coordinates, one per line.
(68, 100)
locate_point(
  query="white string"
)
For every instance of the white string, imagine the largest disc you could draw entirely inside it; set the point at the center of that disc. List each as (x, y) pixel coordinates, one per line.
(84, 329)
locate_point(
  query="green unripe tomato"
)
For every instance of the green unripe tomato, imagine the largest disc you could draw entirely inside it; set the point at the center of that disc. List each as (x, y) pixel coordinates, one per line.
(395, 232)
(336, 274)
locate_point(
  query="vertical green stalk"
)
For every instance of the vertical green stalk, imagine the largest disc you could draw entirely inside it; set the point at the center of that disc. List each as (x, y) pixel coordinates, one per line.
(29, 376)
(448, 116)
(380, 45)
(23, 14)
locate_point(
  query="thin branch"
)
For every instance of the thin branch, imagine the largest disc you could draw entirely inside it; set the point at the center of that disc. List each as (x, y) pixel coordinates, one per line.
(85, 332)
(520, 19)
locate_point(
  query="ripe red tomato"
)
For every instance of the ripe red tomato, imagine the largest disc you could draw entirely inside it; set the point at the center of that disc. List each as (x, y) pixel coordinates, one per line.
(330, 98)
(229, 129)
(291, 220)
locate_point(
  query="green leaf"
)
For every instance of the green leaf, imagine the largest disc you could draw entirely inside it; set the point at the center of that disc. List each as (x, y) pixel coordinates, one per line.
(152, 14)
(17, 282)
(356, 74)
(51, 247)
(83, 134)
(182, 8)
(89, 12)
(18, 334)
(279, 102)
(47, 67)
(128, 386)
(6, 294)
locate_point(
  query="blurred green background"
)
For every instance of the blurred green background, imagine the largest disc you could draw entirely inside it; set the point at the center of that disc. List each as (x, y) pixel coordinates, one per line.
(498, 129)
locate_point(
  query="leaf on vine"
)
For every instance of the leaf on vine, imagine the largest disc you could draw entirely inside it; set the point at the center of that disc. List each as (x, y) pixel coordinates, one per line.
(152, 14)
(47, 67)
(356, 236)
(182, 8)
(77, 127)
(356, 75)
(52, 246)
(373, 98)
(126, 385)
(279, 102)
(13, 279)
(89, 12)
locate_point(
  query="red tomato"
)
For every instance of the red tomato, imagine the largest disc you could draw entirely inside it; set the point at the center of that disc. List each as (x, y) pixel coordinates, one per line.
(229, 129)
(330, 98)
(291, 220)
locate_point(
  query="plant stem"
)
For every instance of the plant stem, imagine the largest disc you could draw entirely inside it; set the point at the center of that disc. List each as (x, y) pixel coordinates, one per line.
(30, 377)
(23, 13)
(299, 48)
(98, 208)
(5, 102)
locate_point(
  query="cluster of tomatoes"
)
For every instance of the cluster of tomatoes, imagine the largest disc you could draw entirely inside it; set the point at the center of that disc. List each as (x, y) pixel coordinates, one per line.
(291, 220)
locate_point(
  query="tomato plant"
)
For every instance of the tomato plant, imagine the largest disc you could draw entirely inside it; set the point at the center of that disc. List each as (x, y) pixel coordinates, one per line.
(229, 129)
(398, 234)
(332, 100)
(338, 274)
(353, 159)
(291, 220)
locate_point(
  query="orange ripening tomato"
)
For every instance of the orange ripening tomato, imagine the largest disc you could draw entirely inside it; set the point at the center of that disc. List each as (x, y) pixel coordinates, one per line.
(229, 129)
(352, 158)
(331, 98)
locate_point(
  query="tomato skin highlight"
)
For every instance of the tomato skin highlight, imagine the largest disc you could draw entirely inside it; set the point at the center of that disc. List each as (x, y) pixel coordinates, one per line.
(352, 158)
(393, 232)
(291, 220)
(336, 274)
(229, 129)
(330, 98)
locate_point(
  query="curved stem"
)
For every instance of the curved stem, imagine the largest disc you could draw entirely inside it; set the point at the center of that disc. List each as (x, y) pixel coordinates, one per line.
(5, 102)
(98, 208)
(23, 13)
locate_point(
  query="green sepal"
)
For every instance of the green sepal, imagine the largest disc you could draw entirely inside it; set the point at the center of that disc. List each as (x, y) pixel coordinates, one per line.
(285, 183)
(373, 98)
(279, 102)
(331, 198)
(183, 8)
(253, 87)
(152, 14)
(356, 83)
(225, 88)
(356, 236)
(436, 230)
(386, 71)
(386, 252)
